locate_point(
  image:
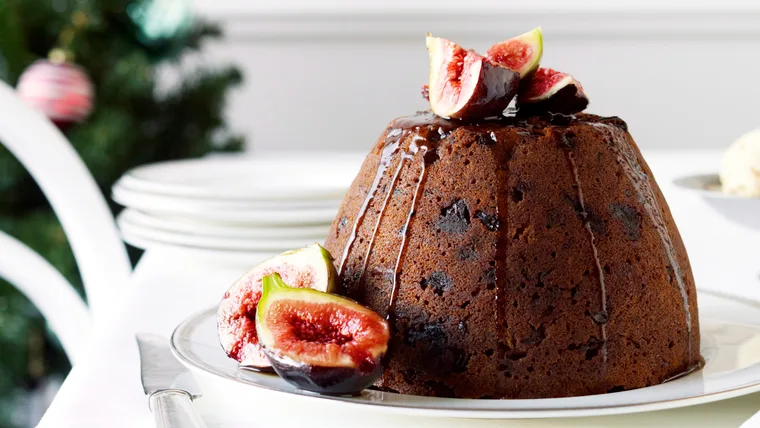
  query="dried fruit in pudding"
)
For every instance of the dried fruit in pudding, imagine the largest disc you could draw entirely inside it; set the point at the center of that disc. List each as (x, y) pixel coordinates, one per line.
(521, 54)
(464, 84)
(320, 342)
(551, 91)
(309, 267)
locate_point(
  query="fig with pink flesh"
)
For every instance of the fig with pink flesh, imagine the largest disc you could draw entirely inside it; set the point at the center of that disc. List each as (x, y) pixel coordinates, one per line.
(320, 342)
(464, 84)
(521, 54)
(551, 91)
(310, 267)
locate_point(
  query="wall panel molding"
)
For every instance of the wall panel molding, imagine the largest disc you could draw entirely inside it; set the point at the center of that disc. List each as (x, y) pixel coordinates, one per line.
(633, 25)
(333, 78)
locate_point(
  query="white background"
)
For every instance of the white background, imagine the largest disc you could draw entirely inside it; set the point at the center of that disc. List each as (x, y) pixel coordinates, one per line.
(332, 74)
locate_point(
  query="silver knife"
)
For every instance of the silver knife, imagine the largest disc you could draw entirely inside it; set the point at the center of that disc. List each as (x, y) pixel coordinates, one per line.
(170, 387)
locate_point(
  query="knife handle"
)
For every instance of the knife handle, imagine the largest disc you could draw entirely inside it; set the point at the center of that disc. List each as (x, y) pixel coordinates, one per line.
(173, 408)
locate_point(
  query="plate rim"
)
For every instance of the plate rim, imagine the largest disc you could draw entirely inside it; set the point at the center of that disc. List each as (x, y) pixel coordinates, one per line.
(491, 413)
(199, 228)
(132, 180)
(238, 258)
(260, 244)
(200, 212)
(199, 209)
(120, 188)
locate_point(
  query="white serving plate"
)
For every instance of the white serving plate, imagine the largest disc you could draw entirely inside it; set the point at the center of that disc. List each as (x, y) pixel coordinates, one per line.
(730, 329)
(200, 210)
(741, 210)
(238, 259)
(120, 192)
(277, 245)
(221, 230)
(272, 177)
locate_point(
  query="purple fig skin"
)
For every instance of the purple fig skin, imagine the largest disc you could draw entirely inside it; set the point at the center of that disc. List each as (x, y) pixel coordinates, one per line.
(320, 342)
(568, 100)
(551, 91)
(325, 380)
(495, 89)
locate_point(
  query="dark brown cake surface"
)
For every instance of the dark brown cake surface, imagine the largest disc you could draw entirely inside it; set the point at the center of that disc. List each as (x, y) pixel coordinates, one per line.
(517, 258)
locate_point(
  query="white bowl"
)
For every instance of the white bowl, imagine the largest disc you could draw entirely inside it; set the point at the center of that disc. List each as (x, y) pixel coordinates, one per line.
(738, 209)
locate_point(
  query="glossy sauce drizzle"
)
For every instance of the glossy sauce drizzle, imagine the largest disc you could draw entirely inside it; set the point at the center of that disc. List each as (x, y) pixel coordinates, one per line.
(426, 127)
(400, 258)
(502, 212)
(640, 181)
(503, 155)
(595, 251)
(392, 140)
(380, 215)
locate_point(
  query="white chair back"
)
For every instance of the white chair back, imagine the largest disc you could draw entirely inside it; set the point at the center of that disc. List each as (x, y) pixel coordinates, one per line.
(65, 312)
(77, 201)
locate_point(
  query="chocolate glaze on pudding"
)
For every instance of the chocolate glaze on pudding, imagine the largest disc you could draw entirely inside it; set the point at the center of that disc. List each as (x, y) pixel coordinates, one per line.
(517, 258)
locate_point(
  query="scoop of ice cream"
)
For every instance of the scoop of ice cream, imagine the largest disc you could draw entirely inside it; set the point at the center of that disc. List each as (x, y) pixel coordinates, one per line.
(740, 169)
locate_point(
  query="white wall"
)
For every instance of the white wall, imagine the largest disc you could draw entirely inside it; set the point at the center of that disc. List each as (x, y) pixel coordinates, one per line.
(325, 74)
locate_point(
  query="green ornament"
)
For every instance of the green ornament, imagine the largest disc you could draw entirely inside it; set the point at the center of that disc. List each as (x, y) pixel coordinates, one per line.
(160, 23)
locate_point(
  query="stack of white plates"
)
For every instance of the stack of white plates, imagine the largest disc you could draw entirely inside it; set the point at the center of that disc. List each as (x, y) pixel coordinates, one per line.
(240, 207)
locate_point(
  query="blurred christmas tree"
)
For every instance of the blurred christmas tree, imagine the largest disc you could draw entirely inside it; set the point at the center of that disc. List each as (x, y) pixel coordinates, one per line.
(120, 116)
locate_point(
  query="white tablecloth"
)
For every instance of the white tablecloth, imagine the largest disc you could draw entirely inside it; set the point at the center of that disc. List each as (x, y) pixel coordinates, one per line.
(104, 389)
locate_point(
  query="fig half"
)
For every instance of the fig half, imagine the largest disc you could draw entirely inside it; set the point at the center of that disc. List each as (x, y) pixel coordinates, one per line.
(464, 84)
(320, 342)
(551, 91)
(310, 267)
(521, 54)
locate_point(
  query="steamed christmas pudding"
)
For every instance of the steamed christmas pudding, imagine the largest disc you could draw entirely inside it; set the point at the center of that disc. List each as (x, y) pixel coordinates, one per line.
(484, 250)
(521, 256)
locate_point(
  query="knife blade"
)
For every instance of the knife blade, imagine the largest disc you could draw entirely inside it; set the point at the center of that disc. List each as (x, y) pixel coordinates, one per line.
(170, 387)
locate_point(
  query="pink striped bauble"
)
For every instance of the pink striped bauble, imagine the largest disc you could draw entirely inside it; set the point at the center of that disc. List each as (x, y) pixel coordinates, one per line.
(62, 91)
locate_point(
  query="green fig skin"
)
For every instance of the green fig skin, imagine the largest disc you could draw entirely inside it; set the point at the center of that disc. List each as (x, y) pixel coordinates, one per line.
(521, 54)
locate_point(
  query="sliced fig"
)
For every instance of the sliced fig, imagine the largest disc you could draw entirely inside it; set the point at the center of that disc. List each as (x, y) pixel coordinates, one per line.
(320, 342)
(310, 267)
(464, 84)
(551, 91)
(521, 54)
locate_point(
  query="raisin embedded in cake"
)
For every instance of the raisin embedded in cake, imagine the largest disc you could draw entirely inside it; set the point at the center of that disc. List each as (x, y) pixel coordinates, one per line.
(543, 263)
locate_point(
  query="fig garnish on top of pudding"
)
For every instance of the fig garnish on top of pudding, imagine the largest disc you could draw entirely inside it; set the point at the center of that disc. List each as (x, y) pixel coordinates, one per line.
(521, 54)
(464, 84)
(551, 91)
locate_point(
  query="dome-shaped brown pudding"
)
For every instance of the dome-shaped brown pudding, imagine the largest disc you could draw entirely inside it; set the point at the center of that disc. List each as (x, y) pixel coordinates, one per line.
(517, 258)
